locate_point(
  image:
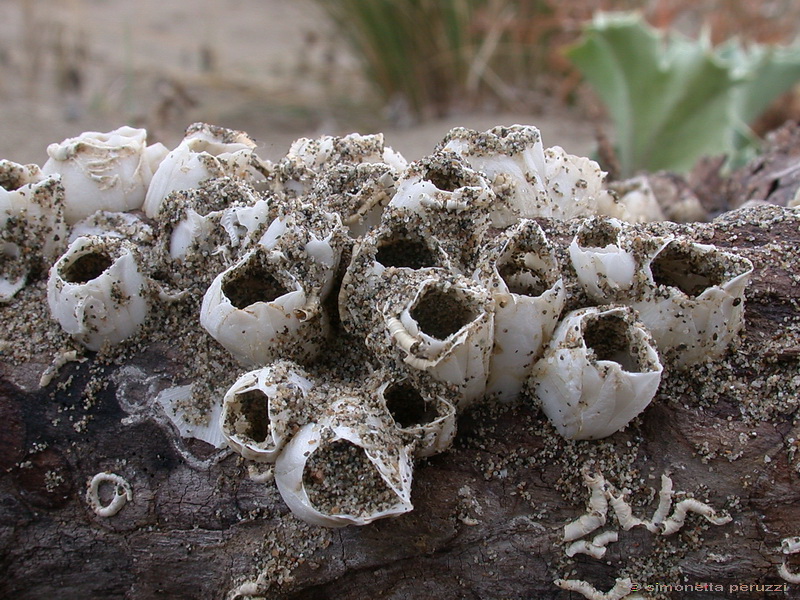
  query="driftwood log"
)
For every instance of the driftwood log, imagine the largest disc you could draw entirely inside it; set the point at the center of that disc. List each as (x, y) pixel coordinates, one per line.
(489, 514)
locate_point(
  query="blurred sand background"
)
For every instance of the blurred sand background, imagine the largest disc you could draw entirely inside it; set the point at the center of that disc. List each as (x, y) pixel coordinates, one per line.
(273, 68)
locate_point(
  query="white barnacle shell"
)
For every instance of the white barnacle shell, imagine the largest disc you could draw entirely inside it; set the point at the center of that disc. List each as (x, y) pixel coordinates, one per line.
(97, 291)
(603, 259)
(426, 420)
(262, 409)
(574, 184)
(206, 152)
(345, 469)
(202, 231)
(104, 171)
(441, 181)
(357, 193)
(307, 158)
(260, 312)
(513, 160)
(114, 224)
(600, 370)
(32, 228)
(635, 201)
(521, 271)
(453, 200)
(441, 326)
(310, 242)
(402, 242)
(692, 299)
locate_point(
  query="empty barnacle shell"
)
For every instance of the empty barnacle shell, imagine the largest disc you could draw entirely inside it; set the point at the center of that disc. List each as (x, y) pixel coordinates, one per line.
(260, 312)
(348, 468)
(206, 152)
(438, 325)
(202, 230)
(263, 408)
(310, 242)
(604, 260)
(308, 158)
(104, 171)
(692, 299)
(32, 228)
(97, 291)
(512, 158)
(426, 420)
(521, 271)
(600, 371)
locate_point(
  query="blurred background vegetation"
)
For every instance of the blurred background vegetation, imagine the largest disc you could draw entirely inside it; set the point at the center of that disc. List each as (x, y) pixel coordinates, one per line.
(282, 69)
(433, 57)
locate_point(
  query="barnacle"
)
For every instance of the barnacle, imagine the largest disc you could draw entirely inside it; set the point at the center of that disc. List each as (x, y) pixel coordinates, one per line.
(97, 291)
(206, 152)
(692, 299)
(104, 171)
(600, 370)
(32, 228)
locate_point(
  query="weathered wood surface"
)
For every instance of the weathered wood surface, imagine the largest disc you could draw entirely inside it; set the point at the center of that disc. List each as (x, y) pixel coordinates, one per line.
(489, 514)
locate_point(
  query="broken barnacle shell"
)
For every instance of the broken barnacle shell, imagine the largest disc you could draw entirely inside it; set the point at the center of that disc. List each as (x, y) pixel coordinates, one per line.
(604, 260)
(97, 291)
(32, 229)
(310, 242)
(521, 271)
(348, 468)
(528, 180)
(114, 224)
(263, 409)
(260, 312)
(307, 159)
(426, 420)
(600, 371)
(206, 152)
(692, 299)
(104, 171)
(437, 326)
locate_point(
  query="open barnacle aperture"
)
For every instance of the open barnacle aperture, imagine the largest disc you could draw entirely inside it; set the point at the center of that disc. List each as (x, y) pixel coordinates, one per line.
(692, 299)
(600, 371)
(98, 292)
(260, 312)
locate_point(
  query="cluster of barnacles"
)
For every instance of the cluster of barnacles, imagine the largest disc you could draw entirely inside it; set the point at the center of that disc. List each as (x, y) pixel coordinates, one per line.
(603, 496)
(440, 270)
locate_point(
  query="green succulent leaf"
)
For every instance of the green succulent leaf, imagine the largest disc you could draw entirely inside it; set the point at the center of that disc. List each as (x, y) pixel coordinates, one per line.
(669, 98)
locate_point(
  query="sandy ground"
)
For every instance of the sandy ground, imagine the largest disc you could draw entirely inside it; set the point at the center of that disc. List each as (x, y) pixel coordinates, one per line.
(273, 68)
